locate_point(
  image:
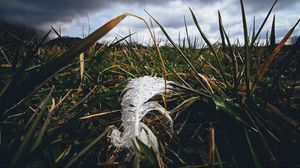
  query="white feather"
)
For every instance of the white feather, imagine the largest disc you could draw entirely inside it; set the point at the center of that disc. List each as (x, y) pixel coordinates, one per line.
(135, 105)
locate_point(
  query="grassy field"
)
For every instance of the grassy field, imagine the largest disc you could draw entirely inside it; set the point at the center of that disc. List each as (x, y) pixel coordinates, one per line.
(236, 105)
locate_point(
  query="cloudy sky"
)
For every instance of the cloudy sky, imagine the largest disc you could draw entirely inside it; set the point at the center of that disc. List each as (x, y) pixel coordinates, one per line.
(74, 17)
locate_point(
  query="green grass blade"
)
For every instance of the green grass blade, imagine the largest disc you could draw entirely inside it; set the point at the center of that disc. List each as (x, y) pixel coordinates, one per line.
(234, 62)
(253, 31)
(209, 45)
(263, 69)
(43, 129)
(231, 110)
(187, 33)
(273, 36)
(246, 50)
(86, 149)
(218, 157)
(146, 153)
(58, 34)
(221, 31)
(255, 159)
(180, 51)
(25, 145)
(231, 54)
(263, 24)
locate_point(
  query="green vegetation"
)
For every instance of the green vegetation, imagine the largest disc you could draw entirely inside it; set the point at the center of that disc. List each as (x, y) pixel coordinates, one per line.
(237, 105)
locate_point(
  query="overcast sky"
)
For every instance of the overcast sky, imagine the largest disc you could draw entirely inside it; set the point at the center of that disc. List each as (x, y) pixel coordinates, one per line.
(75, 16)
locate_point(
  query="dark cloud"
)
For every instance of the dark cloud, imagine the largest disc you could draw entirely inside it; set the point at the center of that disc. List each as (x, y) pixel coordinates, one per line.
(39, 12)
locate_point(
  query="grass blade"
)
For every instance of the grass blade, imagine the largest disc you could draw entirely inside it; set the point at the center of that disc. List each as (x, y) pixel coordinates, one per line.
(231, 53)
(253, 31)
(231, 110)
(81, 59)
(25, 145)
(147, 153)
(256, 161)
(44, 127)
(81, 70)
(212, 146)
(58, 34)
(263, 69)
(221, 31)
(263, 24)
(246, 50)
(179, 50)
(86, 149)
(187, 33)
(209, 45)
(273, 36)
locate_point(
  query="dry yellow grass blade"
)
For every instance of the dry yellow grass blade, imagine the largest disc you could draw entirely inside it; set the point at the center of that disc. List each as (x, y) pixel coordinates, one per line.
(81, 60)
(99, 114)
(212, 85)
(212, 147)
(81, 70)
(281, 115)
(5, 65)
